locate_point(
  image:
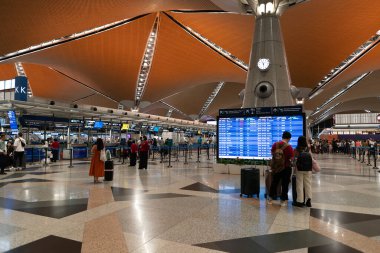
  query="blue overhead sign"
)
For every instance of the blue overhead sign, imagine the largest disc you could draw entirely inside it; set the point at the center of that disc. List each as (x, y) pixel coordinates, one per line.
(21, 88)
(12, 120)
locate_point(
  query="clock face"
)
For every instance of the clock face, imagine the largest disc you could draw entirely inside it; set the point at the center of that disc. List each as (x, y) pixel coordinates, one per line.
(263, 64)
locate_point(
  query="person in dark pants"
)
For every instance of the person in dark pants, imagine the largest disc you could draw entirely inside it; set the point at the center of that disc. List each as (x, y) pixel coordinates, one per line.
(19, 151)
(285, 174)
(144, 149)
(55, 150)
(3, 154)
(133, 154)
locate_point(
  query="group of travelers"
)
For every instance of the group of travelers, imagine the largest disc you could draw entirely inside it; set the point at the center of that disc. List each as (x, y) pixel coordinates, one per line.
(12, 153)
(287, 161)
(135, 150)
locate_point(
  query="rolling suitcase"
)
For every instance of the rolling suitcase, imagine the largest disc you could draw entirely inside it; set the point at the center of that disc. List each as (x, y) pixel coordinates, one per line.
(250, 182)
(108, 170)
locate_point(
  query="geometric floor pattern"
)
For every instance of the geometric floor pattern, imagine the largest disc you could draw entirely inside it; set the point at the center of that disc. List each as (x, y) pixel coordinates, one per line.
(364, 224)
(50, 244)
(185, 208)
(283, 242)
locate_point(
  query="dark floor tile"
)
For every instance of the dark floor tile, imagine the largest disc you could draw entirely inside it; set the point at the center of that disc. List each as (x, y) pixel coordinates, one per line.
(368, 228)
(199, 187)
(49, 244)
(124, 194)
(335, 247)
(291, 240)
(56, 212)
(43, 173)
(54, 209)
(30, 180)
(338, 217)
(241, 245)
(164, 196)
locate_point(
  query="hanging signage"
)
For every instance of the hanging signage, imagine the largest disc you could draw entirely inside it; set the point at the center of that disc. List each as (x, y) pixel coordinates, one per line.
(21, 88)
(12, 120)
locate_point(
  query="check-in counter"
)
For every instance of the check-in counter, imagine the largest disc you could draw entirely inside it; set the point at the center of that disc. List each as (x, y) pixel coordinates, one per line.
(80, 151)
(34, 153)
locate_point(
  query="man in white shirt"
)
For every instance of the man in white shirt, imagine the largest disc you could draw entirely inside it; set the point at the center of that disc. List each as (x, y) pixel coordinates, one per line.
(3, 154)
(19, 151)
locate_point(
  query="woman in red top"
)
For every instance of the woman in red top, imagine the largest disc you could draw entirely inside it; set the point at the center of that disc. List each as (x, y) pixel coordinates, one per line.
(97, 165)
(133, 155)
(144, 148)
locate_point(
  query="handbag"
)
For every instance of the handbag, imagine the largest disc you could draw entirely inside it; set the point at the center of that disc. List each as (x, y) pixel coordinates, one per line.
(103, 155)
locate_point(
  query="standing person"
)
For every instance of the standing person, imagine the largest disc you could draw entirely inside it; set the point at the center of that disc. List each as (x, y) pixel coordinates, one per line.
(304, 165)
(19, 151)
(144, 148)
(133, 156)
(55, 150)
(3, 154)
(97, 165)
(284, 152)
(10, 154)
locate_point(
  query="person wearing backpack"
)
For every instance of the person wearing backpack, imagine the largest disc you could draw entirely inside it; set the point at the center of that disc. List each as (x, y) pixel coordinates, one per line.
(282, 154)
(304, 165)
(19, 151)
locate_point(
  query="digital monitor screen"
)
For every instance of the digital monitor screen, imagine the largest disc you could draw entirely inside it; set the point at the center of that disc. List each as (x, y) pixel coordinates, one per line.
(98, 124)
(125, 126)
(12, 120)
(156, 129)
(253, 137)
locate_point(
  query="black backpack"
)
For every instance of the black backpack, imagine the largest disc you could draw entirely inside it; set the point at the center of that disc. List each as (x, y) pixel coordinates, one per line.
(304, 161)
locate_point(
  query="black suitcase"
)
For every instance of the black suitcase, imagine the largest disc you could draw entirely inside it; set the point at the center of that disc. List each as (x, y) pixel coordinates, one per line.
(108, 170)
(250, 182)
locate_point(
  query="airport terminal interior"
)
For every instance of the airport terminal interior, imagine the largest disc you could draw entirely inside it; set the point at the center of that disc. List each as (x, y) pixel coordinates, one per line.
(190, 126)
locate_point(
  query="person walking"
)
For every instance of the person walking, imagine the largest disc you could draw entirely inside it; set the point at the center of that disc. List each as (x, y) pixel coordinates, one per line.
(97, 165)
(144, 149)
(304, 165)
(3, 155)
(19, 151)
(282, 171)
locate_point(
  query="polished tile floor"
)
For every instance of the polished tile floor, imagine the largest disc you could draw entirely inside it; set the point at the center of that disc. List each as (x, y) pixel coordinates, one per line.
(186, 208)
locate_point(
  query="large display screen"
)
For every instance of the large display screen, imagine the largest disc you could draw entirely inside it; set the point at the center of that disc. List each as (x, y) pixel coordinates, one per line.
(252, 137)
(12, 120)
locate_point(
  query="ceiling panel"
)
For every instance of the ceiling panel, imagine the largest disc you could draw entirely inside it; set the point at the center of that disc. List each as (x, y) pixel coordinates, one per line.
(320, 34)
(7, 71)
(49, 84)
(26, 23)
(98, 100)
(368, 62)
(108, 62)
(191, 100)
(228, 97)
(181, 61)
(232, 32)
(358, 105)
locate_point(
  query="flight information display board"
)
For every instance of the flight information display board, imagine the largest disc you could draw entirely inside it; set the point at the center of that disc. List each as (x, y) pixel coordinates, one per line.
(251, 137)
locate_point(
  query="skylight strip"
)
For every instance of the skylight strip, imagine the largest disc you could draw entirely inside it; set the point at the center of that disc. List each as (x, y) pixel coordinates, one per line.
(341, 92)
(361, 51)
(325, 115)
(175, 109)
(212, 45)
(211, 98)
(65, 39)
(146, 63)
